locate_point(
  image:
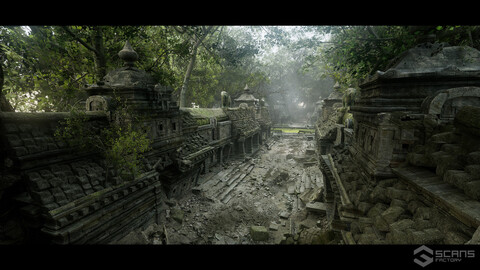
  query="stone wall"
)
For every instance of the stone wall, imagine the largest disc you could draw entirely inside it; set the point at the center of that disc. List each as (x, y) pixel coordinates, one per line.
(328, 123)
(407, 172)
(403, 88)
(52, 192)
(62, 194)
(391, 212)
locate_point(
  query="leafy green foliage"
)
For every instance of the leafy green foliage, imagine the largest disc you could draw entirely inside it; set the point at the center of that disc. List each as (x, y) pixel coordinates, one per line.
(74, 130)
(124, 149)
(355, 52)
(46, 67)
(122, 142)
(359, 51)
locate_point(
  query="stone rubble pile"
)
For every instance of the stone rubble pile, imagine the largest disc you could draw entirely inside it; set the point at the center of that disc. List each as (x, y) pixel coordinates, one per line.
(259, 211)
(389, 212)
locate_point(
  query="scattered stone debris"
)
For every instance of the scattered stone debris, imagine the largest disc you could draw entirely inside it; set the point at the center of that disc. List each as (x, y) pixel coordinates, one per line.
(261, 207)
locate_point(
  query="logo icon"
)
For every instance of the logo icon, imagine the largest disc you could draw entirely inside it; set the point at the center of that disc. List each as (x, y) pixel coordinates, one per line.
(425, 260)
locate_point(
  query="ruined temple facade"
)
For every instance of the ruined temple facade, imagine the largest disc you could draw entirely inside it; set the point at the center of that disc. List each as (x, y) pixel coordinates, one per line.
(51, 192)
(407, 171)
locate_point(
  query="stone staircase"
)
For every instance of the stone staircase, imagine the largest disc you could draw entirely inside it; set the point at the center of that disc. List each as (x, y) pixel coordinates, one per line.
(447, 196)
(447, 171)
(452, 162)
(220, 186)
(446, 155)
(416, 206)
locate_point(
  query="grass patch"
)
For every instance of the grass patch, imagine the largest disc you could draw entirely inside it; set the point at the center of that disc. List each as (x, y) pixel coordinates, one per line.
(294, 130)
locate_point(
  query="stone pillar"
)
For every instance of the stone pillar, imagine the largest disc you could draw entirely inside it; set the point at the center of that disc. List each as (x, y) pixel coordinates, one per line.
(241, 148)
(157, 189)
(248, 146)
(229, 150)
(221, 154)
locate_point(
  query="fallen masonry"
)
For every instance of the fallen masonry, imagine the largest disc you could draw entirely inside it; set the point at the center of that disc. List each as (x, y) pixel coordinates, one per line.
(258, 233)
(405, 171)
(250, 217)
(394, 162)
(317, 207)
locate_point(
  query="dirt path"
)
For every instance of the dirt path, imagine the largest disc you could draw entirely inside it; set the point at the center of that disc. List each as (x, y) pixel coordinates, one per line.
(270, 190)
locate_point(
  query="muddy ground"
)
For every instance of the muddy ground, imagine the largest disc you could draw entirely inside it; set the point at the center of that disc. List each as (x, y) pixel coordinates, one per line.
(270, 189)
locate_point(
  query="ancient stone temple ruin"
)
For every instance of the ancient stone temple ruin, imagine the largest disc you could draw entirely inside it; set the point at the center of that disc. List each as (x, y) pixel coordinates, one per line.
(407, 171)
(397, 161)
(51, 192)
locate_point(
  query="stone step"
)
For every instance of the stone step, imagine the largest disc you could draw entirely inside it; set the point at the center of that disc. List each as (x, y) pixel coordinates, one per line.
(233, 183)
(222, 195)
(446, 196)
(233, 179)
(228, 176)
(227, 199)
(215, 180)
(451, 148)
(215, 184)
(317, 207)
(223, 174)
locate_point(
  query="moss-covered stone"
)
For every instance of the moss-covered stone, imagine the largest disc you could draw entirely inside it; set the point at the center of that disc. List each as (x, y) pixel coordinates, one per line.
(259, 233)
(472, 189)
(468, 120)
(177, 214)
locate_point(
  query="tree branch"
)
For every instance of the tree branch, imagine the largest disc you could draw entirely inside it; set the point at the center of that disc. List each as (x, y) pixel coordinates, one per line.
(86, 45)
(178, 29)
(4, 103)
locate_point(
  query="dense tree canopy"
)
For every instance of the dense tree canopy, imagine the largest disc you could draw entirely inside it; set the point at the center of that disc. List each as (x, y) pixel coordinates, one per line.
(44, 68)
(354, 52)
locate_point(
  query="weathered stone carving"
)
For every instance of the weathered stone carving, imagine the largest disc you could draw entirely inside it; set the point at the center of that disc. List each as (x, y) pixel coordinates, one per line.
(226, 100)
(128, 55)
(445, 103)
(247, 98)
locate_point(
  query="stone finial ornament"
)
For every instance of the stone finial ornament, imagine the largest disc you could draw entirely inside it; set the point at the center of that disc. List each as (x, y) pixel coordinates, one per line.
(128, 55)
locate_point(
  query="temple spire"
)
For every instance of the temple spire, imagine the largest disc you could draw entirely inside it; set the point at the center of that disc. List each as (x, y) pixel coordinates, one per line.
(246, 89)
(128, 55)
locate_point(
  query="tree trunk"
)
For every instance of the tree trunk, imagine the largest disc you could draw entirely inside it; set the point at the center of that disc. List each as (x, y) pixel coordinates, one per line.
(100, 59)
(98, 50)
(5, 106)
(183, 91)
